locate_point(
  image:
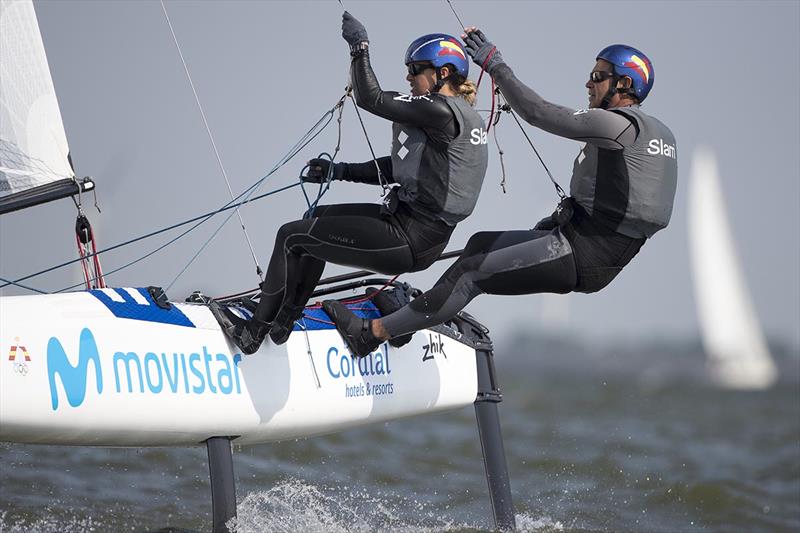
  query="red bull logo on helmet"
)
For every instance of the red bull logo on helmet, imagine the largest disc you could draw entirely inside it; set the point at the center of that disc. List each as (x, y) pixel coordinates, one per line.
(451, 48)
(642, 66)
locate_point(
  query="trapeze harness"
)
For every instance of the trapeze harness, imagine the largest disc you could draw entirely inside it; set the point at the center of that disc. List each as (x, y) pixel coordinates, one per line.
(623, 188)
(437, 168)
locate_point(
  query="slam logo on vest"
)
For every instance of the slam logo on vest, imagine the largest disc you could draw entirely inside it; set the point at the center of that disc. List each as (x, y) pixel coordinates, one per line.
(478, 136)
(659, 147)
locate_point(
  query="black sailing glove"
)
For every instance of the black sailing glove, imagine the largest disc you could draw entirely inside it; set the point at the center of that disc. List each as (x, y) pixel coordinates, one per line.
(353, 31)
(480, 49)
(318, 171)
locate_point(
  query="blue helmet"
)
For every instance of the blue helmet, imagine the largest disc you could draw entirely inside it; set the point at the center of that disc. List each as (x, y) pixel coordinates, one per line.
(439, 49)
(628, 61)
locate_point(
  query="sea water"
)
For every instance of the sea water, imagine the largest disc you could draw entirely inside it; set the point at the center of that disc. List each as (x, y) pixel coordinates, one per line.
(630, 439)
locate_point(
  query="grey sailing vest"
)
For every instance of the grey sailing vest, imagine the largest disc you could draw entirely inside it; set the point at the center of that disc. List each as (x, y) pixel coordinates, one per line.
(631, 191)
(441, 180)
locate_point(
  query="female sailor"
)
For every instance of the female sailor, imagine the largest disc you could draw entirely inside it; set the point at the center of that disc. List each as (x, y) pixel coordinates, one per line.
(437, 165)
(622, 191)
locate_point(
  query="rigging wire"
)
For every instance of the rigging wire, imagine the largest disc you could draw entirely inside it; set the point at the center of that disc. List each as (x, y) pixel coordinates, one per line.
(381, 179)
(325, 185)
(453, 9)
(309, 136)
(496, 94)
(494, 119)
(384, 183)
(20, 285)
(204, 217)
(259, 272)
(302, 143)
(507, 108)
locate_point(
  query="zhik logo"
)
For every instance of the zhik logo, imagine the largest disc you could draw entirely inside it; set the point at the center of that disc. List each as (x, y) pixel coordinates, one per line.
(73, 378)
(433, 347)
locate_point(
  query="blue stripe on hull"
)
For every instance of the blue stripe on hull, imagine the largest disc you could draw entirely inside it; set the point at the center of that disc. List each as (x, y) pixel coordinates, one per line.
(149, 312)
(316, 318)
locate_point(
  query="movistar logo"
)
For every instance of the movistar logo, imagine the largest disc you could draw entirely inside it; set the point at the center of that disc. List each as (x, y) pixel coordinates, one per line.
(192, 373)
(73, 378)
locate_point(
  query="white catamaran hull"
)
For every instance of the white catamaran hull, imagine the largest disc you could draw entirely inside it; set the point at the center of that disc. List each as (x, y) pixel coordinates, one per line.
(110, 367)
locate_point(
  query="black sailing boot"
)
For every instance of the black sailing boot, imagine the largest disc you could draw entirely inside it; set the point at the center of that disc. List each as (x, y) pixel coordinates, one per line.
(388, 301)
(356, 331)
(284, 321)
(246, 334)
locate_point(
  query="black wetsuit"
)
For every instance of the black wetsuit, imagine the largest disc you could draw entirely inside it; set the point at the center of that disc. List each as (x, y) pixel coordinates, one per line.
(437, 168)
(623, 187)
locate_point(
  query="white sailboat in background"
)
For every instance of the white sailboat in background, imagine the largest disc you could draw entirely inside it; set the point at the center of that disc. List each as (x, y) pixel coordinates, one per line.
(738, 356)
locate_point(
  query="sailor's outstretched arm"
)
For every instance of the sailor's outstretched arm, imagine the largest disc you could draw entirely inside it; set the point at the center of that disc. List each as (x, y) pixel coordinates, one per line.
(420, 111)
(605, 129)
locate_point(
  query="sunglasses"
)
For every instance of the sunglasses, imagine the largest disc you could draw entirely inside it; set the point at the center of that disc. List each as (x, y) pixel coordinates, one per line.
(596, 76)
(415, 69)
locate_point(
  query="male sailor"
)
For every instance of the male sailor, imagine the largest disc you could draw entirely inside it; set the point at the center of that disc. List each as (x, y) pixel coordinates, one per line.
(621, 193)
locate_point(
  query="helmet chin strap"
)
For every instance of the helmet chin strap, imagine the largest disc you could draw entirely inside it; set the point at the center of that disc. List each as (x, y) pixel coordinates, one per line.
(440, 81)
(612, 90)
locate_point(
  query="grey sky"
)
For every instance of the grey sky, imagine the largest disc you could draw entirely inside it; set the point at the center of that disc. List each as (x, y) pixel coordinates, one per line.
(726, 76)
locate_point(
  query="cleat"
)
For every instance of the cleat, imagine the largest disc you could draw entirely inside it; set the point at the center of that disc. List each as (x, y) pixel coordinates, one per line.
(283, 324)
(355, 331)
(247, 303)
(198, 297)
(387, 302)
(246, 334)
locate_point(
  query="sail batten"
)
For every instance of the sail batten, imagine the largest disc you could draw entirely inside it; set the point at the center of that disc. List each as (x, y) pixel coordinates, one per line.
(33, 145)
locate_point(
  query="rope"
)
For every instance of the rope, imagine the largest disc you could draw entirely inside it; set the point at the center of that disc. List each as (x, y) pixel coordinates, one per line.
(500, 152)
(381, 179)
(211, 138)
(20, 285)
(453, 9)
(362, 299)
(309, 136)
(302, 143)
(325, 184)
(84, 267)
(507, 108)
(204, 217)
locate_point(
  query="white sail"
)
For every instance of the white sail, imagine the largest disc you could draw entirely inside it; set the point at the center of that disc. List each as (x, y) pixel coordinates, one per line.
(738, 356)
(33, 145)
